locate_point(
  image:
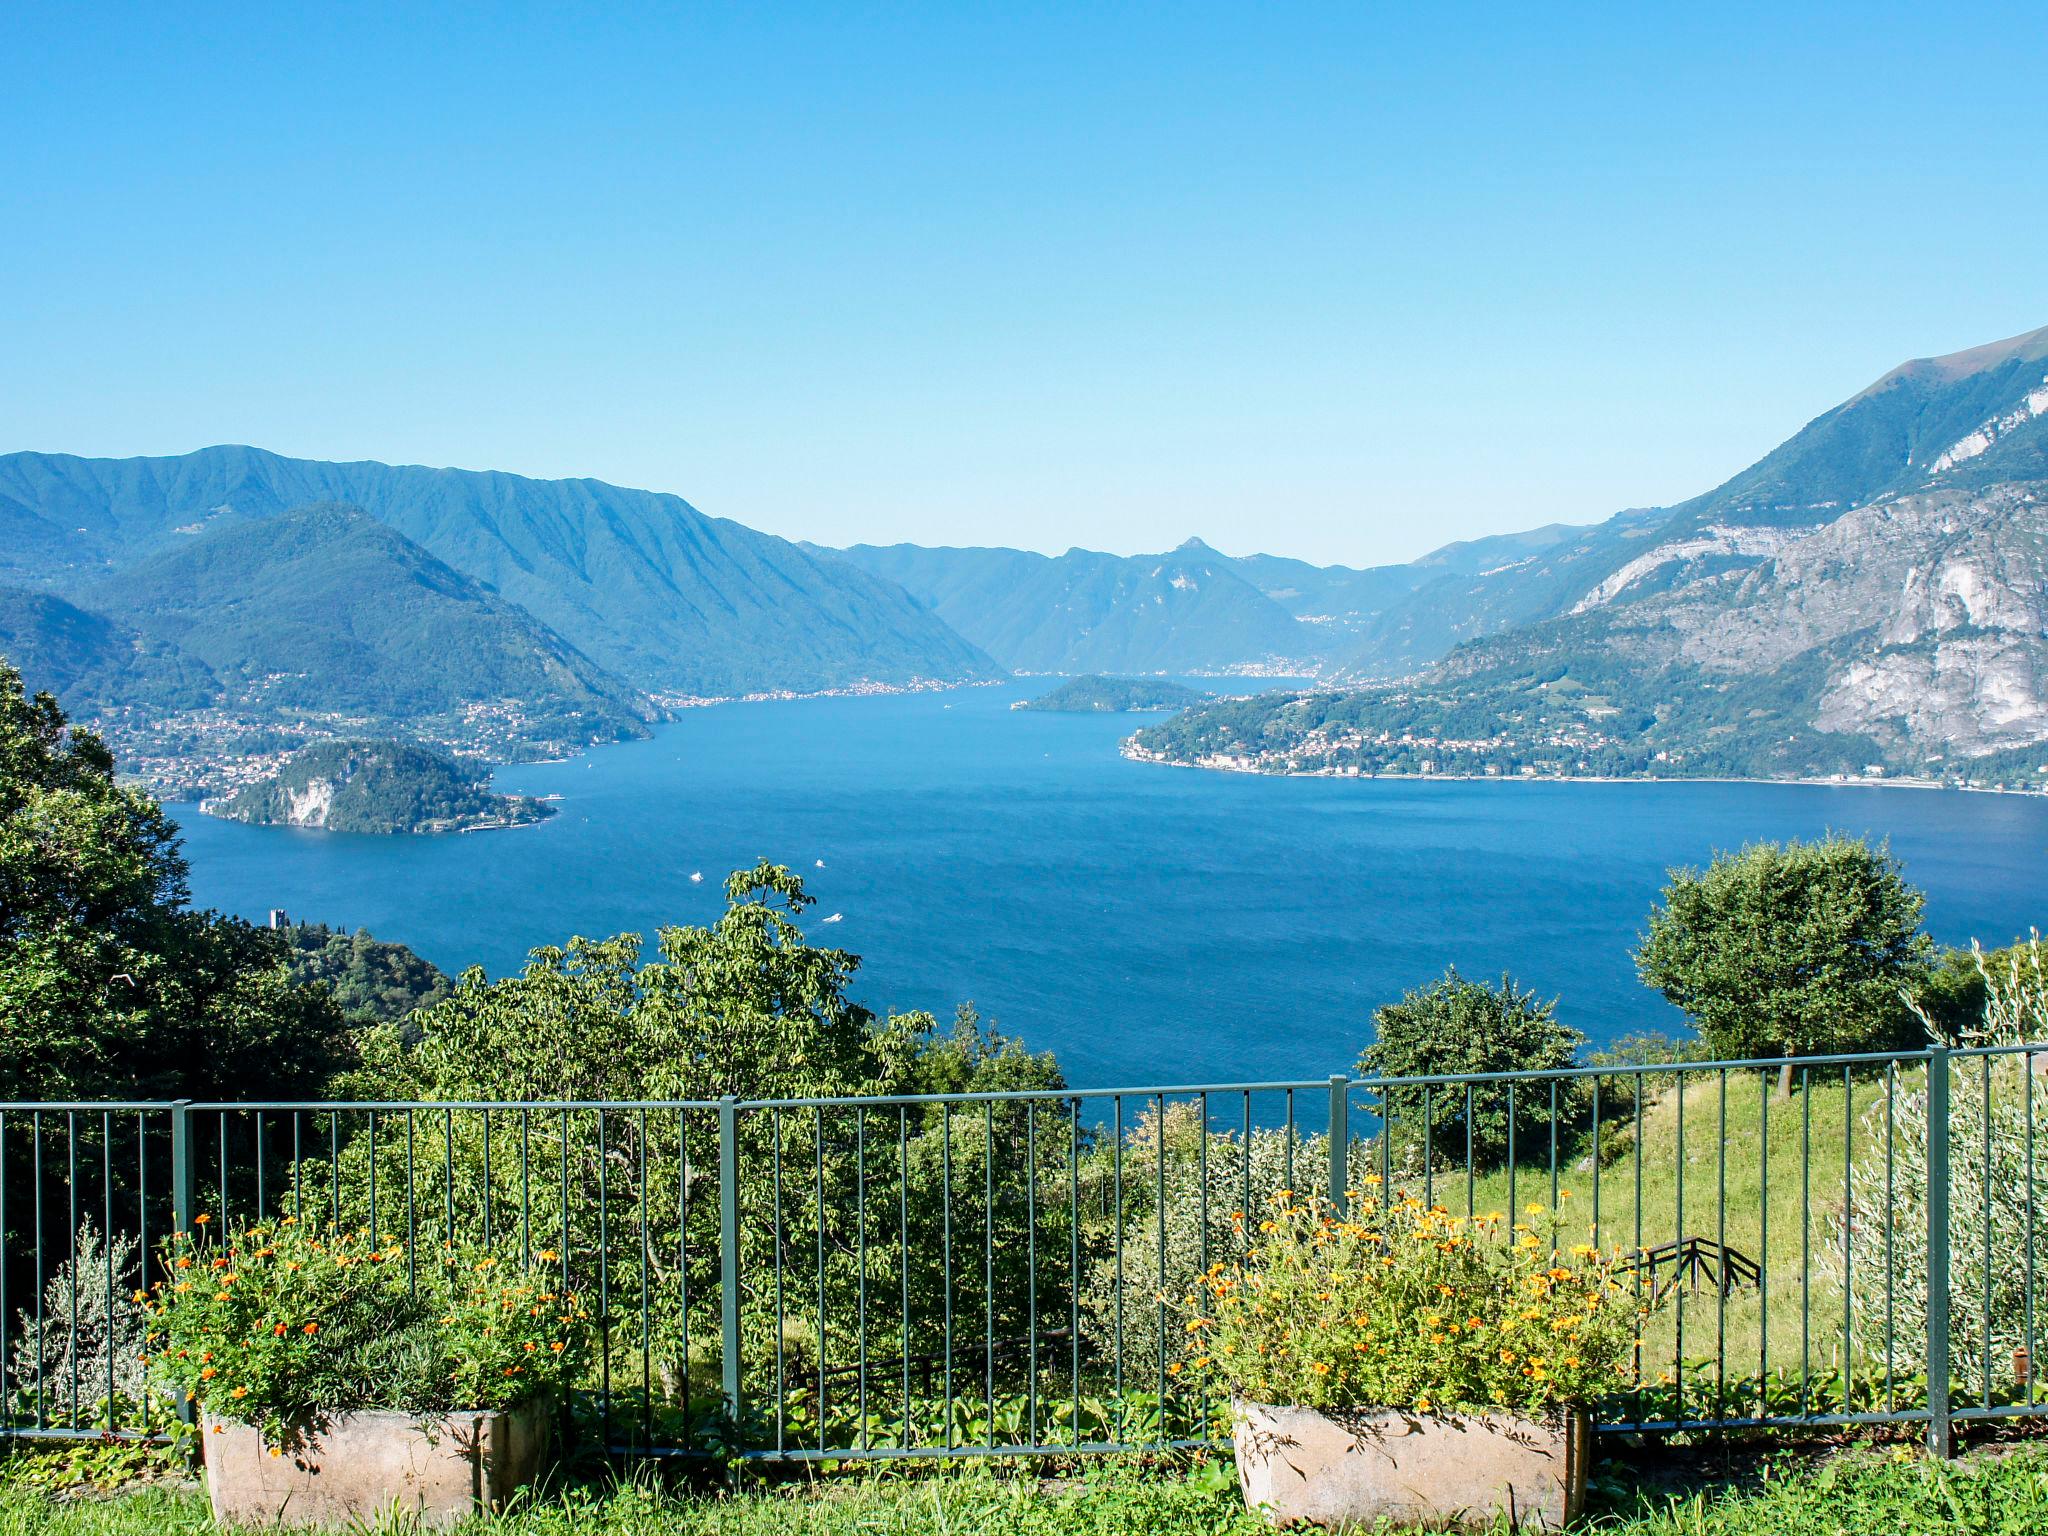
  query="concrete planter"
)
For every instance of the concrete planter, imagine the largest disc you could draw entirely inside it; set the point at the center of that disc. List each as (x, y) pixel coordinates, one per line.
(1333, 1470)
(366, 1463)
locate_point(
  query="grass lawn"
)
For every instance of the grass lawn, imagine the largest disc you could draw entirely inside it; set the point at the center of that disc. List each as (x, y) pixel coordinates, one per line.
(1859, 1493)
(1781, 1165)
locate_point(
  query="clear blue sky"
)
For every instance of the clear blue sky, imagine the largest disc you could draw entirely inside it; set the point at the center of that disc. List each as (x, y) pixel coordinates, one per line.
(1342, 282)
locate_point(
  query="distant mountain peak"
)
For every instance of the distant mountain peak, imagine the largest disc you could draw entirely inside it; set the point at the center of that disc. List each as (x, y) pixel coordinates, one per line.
(1951, 366)
(1195, 546)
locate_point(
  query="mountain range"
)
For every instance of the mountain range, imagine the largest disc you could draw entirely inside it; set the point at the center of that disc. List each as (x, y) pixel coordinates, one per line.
(1871, 596)
(1870, 592)
(643, 584)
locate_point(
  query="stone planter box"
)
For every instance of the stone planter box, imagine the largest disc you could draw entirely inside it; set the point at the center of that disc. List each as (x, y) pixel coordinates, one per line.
(364, 1464)
(1436, 1470)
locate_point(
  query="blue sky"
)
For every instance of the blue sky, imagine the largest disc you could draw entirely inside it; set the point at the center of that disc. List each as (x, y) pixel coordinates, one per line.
(1341, 282)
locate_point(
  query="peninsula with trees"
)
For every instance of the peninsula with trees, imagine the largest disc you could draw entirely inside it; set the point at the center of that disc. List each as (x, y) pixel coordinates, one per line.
(380, 787)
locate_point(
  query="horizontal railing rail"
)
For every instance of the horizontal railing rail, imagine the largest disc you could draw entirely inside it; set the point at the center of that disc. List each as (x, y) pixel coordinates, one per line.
(987, 1273)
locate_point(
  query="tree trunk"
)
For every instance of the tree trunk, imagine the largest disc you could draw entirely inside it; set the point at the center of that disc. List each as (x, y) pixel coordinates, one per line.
(1785, 1081)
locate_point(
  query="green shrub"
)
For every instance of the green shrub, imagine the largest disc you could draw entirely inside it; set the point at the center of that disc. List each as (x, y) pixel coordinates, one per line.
(1456, 1027)
(286, 1326)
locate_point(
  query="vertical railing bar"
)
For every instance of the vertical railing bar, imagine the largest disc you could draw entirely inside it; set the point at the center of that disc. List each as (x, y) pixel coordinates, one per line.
(1848, 1259)
(36, 1248)
(1940, 1430)
(376, 1232)
(262, 1203)
(860, 1202)
(604, 1277)
(1514, 1210)
(141, 1252)
(334, 1166)
(6, 1312)
(1471, 1172)
(298, 1179)
(1985, 1240)
(1805, 1237)
(729, 1266)
(1031, 1265)
(490, 1190)
(1677, 1270)
(1159, 1224)
(646, 1264)
(988, 1263)
(107, 1246)
(1553, 1147)
(1117, 1176)
(1721, 1239)
(1637, 1270)
(1340, 1143)
(71, 1236)
(1891, 1088)
(818, 1136)
(526, 1188)
(1599, 1086)
(683, 1174)
(1429, 1147)
(903, 1256)
(2028, 1334)
(1074, 1265)
(1763, 1263)
(448, 1186)
(781, 1327)
(946, 1254)
(412, 1200)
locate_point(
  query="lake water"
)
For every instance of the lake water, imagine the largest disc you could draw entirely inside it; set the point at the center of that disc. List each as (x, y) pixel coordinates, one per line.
(1151, 925)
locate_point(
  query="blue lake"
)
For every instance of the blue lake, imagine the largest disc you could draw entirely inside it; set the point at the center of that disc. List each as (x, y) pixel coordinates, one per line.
(1151, 925)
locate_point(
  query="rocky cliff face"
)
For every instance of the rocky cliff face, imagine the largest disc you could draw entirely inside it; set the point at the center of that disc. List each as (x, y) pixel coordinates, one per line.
(1920, 621)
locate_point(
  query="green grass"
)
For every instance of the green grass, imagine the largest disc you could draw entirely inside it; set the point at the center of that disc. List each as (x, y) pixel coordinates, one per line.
(1781, 1163)
(1860, 1493)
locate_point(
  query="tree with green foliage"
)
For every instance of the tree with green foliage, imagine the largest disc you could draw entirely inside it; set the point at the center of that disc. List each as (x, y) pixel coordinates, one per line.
(111, 985)
(373, 980)
(1793, 949)
(746, 1007)
(1457, 1027)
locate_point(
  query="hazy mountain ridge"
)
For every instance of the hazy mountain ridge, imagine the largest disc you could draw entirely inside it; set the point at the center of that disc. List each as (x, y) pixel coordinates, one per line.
(1187, 610)
(1864, 595)
(324, 609)
(642, 583)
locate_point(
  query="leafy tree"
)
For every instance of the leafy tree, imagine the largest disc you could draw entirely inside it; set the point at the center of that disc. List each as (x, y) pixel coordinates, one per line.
(1456, 1027)
(1791, 949)
(111, 985)
(844, 1193)
(373, 980)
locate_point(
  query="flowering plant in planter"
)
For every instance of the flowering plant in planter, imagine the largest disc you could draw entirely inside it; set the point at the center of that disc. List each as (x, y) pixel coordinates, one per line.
(286, 1327)
(1403, 1304)
(1403, 1363)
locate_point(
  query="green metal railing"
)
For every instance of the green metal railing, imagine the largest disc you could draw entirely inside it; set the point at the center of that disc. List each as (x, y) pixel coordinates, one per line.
(991, 1274)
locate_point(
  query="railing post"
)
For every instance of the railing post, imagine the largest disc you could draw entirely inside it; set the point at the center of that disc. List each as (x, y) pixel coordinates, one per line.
(1940, 1427)
(184, 1195)
(1340, 1143)
(729, 1254)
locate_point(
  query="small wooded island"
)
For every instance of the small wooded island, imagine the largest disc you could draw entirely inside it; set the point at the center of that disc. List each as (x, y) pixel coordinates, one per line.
(1114, 696)
(378, 786)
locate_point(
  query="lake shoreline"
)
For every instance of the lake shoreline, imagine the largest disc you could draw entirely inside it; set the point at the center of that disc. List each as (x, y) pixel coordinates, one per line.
(1138, 755)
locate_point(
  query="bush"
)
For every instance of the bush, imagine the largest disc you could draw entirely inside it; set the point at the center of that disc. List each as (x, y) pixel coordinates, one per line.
(1998, 1199)
(1799, 949)
(287, 1326)
(83, 1338)
(1408, 1306)
(1456, 1027)
(1202, 1190)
